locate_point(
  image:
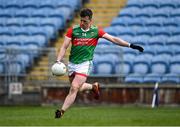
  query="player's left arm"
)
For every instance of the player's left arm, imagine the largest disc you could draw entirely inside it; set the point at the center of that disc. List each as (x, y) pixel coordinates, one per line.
(122, 42)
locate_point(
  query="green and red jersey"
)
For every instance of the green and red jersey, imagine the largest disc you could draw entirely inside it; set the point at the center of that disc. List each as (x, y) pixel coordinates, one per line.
(83, 43)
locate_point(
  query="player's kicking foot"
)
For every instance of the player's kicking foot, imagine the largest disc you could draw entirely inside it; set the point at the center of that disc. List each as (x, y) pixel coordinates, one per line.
(59, 113)
(96, 91)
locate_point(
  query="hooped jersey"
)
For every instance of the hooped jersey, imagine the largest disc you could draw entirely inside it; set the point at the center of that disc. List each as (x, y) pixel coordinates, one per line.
(83, 43)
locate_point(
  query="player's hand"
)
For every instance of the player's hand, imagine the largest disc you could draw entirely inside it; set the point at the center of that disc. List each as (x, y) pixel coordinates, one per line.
(58, 61)
(133, 46)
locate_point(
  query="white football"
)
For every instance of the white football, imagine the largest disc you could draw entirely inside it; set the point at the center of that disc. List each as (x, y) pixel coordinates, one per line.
(58, 69)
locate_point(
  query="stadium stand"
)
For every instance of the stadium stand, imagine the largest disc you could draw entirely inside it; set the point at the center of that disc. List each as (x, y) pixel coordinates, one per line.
(154, 24)
(30, 25)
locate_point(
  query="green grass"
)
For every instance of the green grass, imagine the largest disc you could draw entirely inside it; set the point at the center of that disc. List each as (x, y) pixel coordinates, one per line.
(89, 116)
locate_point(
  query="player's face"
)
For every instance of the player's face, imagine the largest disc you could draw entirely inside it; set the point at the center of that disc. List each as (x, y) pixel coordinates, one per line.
(85, 22)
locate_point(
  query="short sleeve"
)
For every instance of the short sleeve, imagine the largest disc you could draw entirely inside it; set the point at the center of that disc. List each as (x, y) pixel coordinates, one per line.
(69, 33)
(101, 32)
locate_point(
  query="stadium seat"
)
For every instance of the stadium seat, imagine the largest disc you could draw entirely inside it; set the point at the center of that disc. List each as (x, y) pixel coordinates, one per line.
(174, 73)
(147, 11)
(2, 54)
(111, 30)
(25, 58)
(144, 31)
(126, 31)
(2, 68)
(123, 67)
(105, 68)
(129, 56)
(134, 78)
(130, 12)
(140, 67)
(14, 45)
(12, 3)
(57, 23)
(31, 21)
(16, 21)
(159, 67)
(128, 38)
(136, 22)
(121, 21)
(152, 78)
(24, 12)
(31, 3)
(153, 22)
(15, 68)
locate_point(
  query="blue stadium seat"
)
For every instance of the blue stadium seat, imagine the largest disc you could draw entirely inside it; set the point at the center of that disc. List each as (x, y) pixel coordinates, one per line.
(170, 22)
(167, 3)
(170, 78)
(129, 56)
(25, 58)
(143, 39)
(175, 13)
(136, 22)
(122, 21)
(31, 3)
(161, 12)
(111, 30)
(126, 31)
(46, 3)
(57, 23)
(175, 32)
(6, 13)
(153, 21)
(25, 12)
(3, 21)
(159, 67)
(162, 31)
(2, 68)
(147, 11)
(15, 68)
(16, 21)
(152, 78)
(5, 31)
(2, 54)
(141, 67)
(12, 3)
(123, 67)
(174, 75)
(161, 40)
(105, 68)
(127, 37)
(144, 31)
(130, 12)
(31, 21)
(2, 44)
(134, 78)
(16, 45)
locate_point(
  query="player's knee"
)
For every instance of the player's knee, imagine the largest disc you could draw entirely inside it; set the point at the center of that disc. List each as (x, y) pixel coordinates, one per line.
(74, 89)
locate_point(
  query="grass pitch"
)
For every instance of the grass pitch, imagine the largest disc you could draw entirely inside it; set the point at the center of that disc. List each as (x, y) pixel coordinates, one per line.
(90, 116)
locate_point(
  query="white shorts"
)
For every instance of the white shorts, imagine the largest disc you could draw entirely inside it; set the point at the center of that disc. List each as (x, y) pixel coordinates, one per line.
(83, 69)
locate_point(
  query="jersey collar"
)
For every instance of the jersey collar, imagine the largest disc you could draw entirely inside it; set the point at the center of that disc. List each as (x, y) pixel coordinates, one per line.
(84, 30)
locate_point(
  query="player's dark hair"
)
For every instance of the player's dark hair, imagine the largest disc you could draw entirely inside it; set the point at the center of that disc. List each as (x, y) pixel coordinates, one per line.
(86, 12)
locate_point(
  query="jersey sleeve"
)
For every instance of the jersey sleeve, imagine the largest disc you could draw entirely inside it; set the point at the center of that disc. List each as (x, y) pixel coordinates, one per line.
(69, 33)
(101, 32)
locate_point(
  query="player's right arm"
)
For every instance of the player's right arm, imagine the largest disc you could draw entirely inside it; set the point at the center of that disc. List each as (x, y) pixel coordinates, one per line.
(63, 48)
(65, 45)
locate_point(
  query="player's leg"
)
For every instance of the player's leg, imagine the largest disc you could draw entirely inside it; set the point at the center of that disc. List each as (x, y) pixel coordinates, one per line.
(70, 98)
(87, 86)
(94, 87)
